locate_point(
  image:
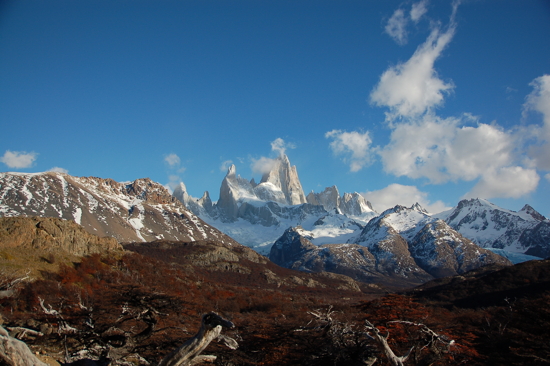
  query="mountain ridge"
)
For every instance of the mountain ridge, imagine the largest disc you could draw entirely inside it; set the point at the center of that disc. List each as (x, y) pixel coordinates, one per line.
(141, 210)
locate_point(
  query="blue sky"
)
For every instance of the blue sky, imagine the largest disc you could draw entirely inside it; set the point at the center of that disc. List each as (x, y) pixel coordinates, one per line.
(428, 101)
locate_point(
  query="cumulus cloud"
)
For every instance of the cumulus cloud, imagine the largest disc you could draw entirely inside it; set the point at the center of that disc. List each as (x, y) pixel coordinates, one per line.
(280, 146)
(442, 150)
(398, 194)
(397, 27)
(505, 182)
(262, 165)
(413, 87)
(18, 159)
(539, 101)
(58, 170)
(418, 10)
(173, 160)
(354, 145)
(423, 145)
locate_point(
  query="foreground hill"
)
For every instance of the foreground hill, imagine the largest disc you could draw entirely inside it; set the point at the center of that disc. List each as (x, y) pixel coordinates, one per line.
(134, 309)
(507, 308)
(33, 244)
(491, 286)
(240, 265)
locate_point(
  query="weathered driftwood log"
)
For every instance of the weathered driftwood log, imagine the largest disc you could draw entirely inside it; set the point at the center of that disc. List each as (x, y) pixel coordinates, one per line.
(189, 352)
(13, 352)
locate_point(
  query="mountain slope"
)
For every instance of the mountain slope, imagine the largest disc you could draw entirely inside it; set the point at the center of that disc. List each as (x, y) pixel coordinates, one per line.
(138, 211)
(490, 226)
(403, 246)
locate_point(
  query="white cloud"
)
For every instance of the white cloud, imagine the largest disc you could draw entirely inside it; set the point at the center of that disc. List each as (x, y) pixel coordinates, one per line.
(172, 159)
(355, 145)
(398, 194)
(18, 159)
(262, 165)
(418, 10)
(441, 150)
(412, 88)
(397, 27)
(506, 182)
(423, 145)
(539, 100)
(58, 170)
(547, 176)
(280, 146)
(225, 165)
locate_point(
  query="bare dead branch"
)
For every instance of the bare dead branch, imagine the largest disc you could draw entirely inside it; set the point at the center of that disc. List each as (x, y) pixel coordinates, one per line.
(383, 341)
(189, 352)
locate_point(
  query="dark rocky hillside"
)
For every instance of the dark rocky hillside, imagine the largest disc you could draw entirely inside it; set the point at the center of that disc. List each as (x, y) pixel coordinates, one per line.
(492, 286)
(507, 308)
(242, 266)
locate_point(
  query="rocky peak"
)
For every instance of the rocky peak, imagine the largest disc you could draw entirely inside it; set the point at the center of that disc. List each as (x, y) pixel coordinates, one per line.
(417, 207)
(532, 212)
(232, 170)
(149, 191)
(291, 245)
(329, 198)
(233, 188)
(352, 204)
(180, 193)
(285, 177)
(355, 204)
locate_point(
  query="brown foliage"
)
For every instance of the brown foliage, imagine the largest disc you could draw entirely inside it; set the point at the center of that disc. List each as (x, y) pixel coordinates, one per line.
(138, 304)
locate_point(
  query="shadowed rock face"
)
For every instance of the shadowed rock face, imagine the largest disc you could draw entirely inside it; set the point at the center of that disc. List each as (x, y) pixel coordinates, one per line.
(401, 245)
(442, 251)
(52, 233)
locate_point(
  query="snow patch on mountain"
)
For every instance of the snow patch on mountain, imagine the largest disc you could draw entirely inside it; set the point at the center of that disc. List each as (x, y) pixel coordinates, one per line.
(141, 210)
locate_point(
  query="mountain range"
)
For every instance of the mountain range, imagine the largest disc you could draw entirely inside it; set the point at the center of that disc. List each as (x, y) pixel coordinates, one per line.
(141, 210)
(325, 231)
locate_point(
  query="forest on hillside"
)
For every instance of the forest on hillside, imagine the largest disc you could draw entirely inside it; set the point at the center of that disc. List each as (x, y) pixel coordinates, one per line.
(135, 309)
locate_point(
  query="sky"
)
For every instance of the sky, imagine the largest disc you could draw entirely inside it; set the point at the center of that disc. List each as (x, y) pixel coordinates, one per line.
(401, 101)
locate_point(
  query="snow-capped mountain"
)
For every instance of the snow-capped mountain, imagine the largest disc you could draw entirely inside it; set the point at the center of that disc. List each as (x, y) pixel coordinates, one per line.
(141, 210)
(490, 226)
(404, 244)
(257, 214)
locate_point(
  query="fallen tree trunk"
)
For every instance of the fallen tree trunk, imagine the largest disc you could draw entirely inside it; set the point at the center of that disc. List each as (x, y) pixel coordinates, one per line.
(189, 353)
(13, 352)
